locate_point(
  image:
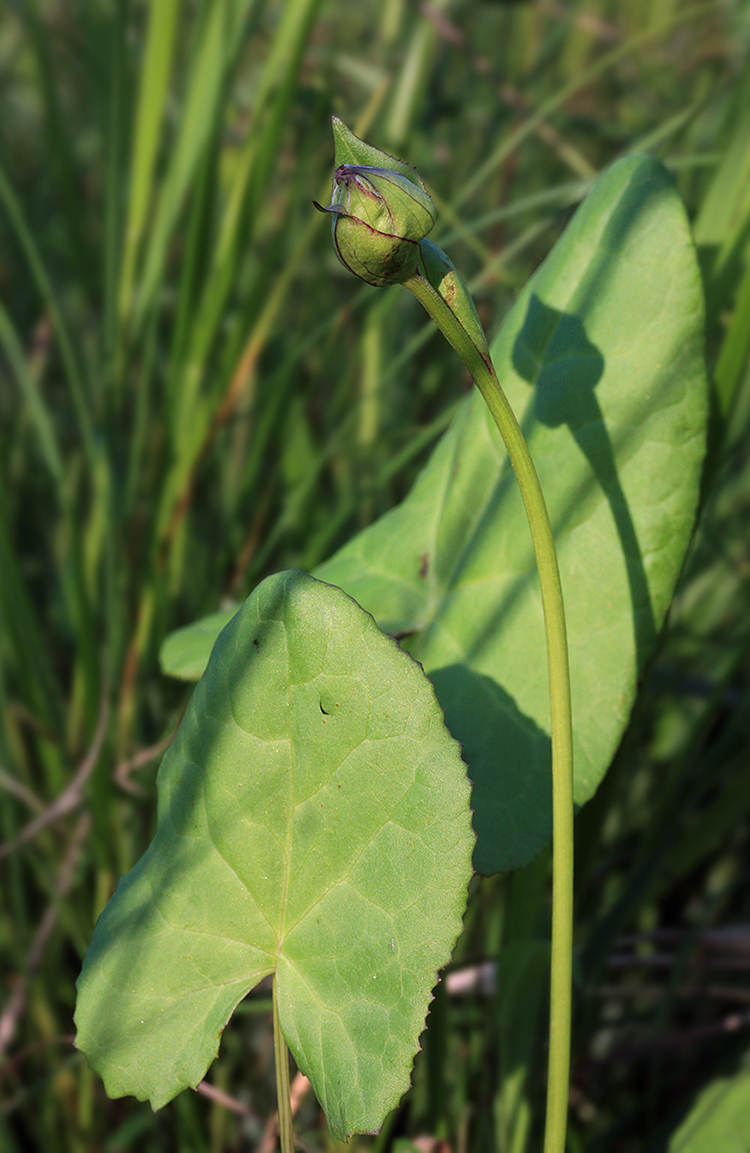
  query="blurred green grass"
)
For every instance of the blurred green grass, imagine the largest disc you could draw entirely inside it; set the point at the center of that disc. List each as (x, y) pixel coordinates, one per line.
(194, 394)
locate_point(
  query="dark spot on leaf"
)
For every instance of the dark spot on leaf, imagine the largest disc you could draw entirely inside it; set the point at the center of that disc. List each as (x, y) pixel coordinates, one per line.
(256, 642)
(424, 564)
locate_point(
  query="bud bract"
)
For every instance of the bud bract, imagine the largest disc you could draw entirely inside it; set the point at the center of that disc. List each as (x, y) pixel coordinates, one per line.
(445, 278)
(381, 211)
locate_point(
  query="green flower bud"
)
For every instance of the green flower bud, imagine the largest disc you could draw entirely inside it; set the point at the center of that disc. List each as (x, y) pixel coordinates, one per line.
(381, 211)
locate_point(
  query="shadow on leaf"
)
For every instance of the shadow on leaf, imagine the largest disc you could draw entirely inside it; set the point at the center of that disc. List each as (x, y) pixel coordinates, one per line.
(511, 767)
(553, 354)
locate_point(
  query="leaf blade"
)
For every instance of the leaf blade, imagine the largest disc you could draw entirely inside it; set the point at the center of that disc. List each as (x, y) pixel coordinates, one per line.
(313, 821)
(602, 360)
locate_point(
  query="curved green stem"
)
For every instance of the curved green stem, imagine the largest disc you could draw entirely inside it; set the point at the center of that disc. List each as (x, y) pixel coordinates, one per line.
(283, 1095)
(480, 366)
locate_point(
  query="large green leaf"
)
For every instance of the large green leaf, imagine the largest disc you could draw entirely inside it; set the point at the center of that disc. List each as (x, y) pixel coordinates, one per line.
(602, 360)
(313, 823)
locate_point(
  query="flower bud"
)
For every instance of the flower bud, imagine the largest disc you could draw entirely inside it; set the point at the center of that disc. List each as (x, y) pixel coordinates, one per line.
(381, 211)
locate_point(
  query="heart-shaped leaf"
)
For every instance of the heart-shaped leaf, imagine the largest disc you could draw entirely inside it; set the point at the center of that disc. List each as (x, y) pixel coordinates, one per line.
(601, 358)
(313, 823)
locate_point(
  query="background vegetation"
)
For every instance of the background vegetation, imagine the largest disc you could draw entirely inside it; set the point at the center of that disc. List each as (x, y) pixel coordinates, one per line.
(194, 394)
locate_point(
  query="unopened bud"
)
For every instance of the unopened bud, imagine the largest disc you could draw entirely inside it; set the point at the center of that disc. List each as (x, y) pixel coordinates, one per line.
(381, 211)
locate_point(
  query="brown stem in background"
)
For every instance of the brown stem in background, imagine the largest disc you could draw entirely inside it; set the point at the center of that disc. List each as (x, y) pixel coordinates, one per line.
(72, 796)
(14, 1009)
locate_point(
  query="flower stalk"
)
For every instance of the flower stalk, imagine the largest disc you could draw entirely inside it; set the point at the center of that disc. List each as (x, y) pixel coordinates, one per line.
(381, 215)
(485, 378)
